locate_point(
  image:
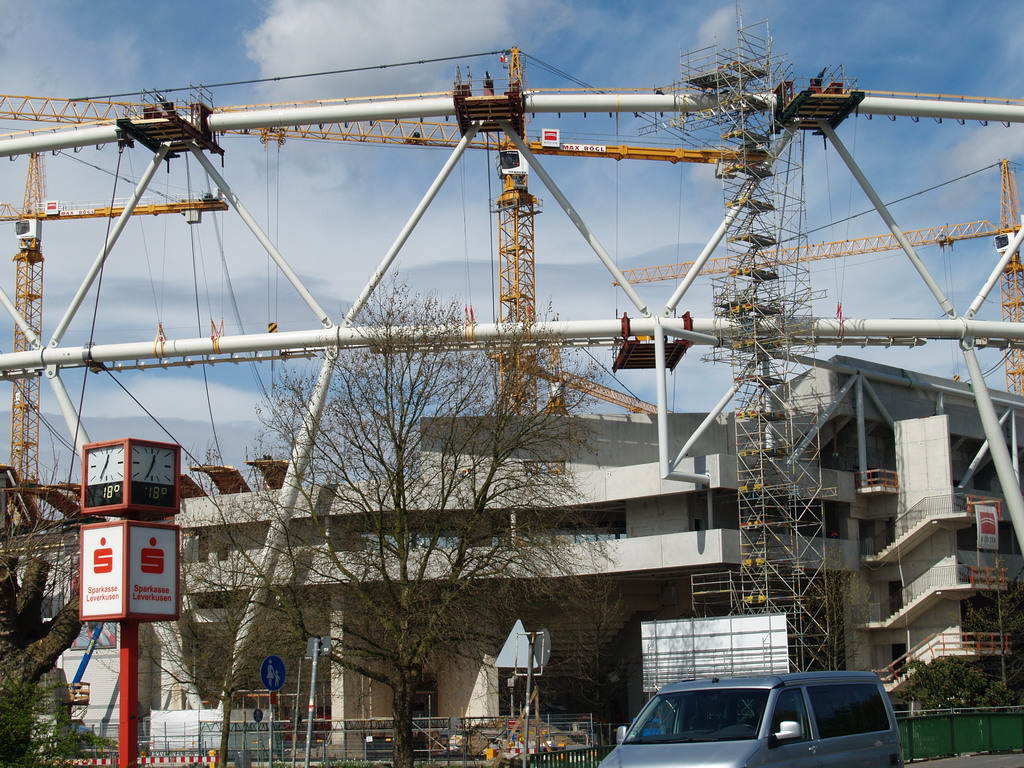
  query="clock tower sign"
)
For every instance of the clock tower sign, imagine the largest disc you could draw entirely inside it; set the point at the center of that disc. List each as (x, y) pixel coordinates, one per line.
(129, 567)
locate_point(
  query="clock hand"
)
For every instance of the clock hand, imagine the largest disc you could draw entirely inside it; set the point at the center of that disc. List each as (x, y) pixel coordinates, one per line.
(106, 461)
(152, 463)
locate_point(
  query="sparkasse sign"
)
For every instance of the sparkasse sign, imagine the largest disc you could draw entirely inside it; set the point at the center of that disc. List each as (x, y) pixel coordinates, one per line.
(101, 591)
(130, 570)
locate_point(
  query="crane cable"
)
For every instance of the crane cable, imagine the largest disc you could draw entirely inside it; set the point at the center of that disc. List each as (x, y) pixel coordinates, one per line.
(199, 328)
(95, 312)
(226, 273)
(494, 220)
(468, 286)
(111, 375)
(614, 378)
(912, 195)
(157, 298)
(651, 120)
(282, 78)
(152, 416)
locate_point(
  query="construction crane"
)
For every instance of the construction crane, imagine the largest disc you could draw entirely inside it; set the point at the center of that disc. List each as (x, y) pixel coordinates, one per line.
(24, 461)
(1011, 282)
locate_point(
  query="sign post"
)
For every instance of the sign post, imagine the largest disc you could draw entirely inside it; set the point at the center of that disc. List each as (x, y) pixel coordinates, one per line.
(527, 650)
(315, 648)
(129, 569)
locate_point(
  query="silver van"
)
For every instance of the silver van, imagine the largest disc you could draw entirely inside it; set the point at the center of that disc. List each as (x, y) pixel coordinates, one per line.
(803, 720)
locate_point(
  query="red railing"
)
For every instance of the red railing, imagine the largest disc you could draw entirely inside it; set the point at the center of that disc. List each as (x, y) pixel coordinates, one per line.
(877, 480)
(947, 644)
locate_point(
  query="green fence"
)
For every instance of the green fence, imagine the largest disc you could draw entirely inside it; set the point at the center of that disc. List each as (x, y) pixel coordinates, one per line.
(927, 736)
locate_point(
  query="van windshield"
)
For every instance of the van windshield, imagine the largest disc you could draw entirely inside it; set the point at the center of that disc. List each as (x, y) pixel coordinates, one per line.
(723, 714)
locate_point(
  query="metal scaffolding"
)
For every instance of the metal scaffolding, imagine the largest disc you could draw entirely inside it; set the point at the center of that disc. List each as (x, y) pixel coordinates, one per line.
(769, 306)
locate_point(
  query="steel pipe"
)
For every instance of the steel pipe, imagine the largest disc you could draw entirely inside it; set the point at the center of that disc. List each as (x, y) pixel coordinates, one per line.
(941, 108)
(400, 108)
(823, 332)
(115, 232)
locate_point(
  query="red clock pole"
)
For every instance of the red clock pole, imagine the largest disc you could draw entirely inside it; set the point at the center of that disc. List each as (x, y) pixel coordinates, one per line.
(128, 705)
(130, 570)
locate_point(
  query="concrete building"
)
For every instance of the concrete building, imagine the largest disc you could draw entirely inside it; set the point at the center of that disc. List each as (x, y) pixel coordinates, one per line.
(904, 478)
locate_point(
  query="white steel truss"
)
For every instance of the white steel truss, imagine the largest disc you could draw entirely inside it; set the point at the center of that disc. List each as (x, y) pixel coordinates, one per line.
(330, 337)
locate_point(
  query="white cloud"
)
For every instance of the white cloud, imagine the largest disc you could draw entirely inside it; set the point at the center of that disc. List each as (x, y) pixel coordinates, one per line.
(719, 28)
(307, 36)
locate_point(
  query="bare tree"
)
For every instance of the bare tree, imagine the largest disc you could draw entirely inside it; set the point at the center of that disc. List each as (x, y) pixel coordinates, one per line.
(438, 497)
(34, 575)
(218, 575)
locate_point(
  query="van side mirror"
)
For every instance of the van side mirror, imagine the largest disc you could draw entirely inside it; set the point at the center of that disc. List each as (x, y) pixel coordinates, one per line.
(788, 730)
(620, 734)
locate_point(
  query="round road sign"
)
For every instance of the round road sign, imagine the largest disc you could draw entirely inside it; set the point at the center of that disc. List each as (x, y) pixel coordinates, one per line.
(272, 673)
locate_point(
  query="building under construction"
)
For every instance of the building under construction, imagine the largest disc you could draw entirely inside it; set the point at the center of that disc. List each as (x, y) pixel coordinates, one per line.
(897, 550)
(846, 508)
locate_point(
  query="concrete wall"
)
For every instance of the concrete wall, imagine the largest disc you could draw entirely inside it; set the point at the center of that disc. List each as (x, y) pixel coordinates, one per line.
(923, 459)
(624, 440)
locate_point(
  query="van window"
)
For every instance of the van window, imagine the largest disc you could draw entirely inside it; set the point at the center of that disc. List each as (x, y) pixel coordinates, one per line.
(841, 710)
(790, 706)
(718, 714)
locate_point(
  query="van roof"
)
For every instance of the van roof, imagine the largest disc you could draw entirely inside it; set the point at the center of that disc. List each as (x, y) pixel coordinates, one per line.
(770, 681)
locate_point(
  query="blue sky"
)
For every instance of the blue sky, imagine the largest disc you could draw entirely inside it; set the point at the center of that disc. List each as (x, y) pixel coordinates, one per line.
(335, 209)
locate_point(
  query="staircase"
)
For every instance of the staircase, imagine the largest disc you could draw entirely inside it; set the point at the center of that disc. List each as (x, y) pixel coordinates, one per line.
(943, 645)
(950, 512)
(939, 583)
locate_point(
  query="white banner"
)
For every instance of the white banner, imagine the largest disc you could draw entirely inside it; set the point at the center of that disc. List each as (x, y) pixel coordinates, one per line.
(987, 519)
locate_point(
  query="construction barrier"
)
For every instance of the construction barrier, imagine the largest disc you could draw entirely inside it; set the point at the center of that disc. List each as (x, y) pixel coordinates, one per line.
(181, 761)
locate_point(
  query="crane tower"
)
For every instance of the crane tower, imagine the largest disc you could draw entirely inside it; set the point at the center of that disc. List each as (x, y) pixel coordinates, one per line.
(29, 302)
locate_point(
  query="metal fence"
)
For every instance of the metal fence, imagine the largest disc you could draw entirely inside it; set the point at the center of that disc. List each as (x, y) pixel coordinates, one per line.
(571, 758)
(435, 739)
(570, 739)
(957, 733)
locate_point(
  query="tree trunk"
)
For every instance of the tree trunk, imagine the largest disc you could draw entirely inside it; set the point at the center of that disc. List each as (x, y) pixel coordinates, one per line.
(402, 747)
(29, 645)
(225, 728)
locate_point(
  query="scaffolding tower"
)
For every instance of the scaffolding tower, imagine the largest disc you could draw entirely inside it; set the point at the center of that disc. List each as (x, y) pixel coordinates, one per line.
(765, 305)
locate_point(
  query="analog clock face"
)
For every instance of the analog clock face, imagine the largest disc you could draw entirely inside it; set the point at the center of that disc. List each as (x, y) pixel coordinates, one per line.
(153, 464)
(106, 465)
(104, 476)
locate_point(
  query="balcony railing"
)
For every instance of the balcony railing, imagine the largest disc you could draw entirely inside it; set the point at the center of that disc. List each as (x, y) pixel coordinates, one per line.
(877, 481)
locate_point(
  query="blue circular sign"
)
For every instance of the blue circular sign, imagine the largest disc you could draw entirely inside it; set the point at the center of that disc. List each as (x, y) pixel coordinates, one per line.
(272, 673)
(257, 715)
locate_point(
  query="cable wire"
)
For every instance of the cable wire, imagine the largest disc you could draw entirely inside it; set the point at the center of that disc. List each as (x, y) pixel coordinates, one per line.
(149, 413)
(282, 78)
(95, 309)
